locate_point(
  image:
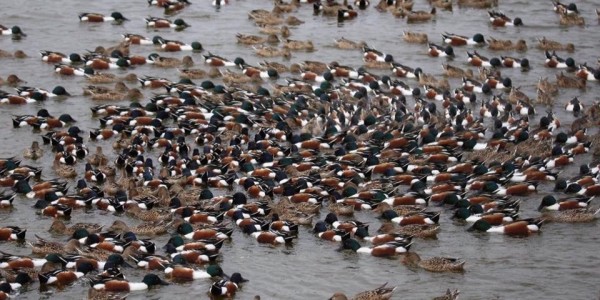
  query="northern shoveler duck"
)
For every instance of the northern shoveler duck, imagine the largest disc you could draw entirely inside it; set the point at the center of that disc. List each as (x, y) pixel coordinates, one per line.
(64, 69)
(588, 73)
(12, 233)
(499, 19)
(549, 202)
(268, 51)
(251, 71)
(362, 4)
(371, 54)
(384, 250)
(189, 274)
(344, 43)
(227, 287)
(561, 8)
(454, 71)
(477, 60)
(443, 4)
(347, 13)
(575, 106)
(218, 3)
(64, 277)
(380, 293)
(57, 57)
(420, 16)
(518, 228)
(449, 295)
(434, 264)
(298, 45)
(6, 200)
(28, 91)
(460, 40)
(15, 99)
(551, 45)
(566, 81)
(149, 281)
(511, 62)
(554, 61)
(219, 61)
(15, 31)
(401, 70)
(250, 39)
(172, 46)
(34, 152)
(136, 39)
(96, 17)
(439, 51)
(581, 215)
(496, 44)
(162, 61)
(415, 37)
(571, 19)
(155, 22)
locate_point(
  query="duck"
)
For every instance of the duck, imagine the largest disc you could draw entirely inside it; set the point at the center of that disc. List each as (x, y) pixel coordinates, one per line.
(15, 99)
(344, 43)
(439, 51)
(96, 17)
(34, 152)
(566, 81)
(443, 4)
(15, 31)
(555, 61)
(449, 295)
(524, 227)
(499, 19)
(114, 285)
(64, 277)
(347, 13)
(163, 61)
(384, 250)
(561, 8)
(460, 40)
(496, 44)
(250, 39)
(12, 233)
(227, 287)
(174, 46)
(136, 39)
(581, 215)
(512, 62)
(549, 202)
(454, 71)
(13, 80)
(58, 57)
(183, 274)
(155, 22)
(587, 73)
(552, 45)
(415, 37)
(434, 264)
(268, 51)
(28, 91)
(420, 16)
(571, 19)
(477, 60)
(299, 45)
(380, 293)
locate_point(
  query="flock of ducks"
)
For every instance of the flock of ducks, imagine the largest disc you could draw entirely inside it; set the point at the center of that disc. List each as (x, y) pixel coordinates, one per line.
(331, 140)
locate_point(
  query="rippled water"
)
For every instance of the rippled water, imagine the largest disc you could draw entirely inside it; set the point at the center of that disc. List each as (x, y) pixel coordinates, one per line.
(559, 263)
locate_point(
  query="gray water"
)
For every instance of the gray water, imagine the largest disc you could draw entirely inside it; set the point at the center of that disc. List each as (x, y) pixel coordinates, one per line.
(559, 263)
